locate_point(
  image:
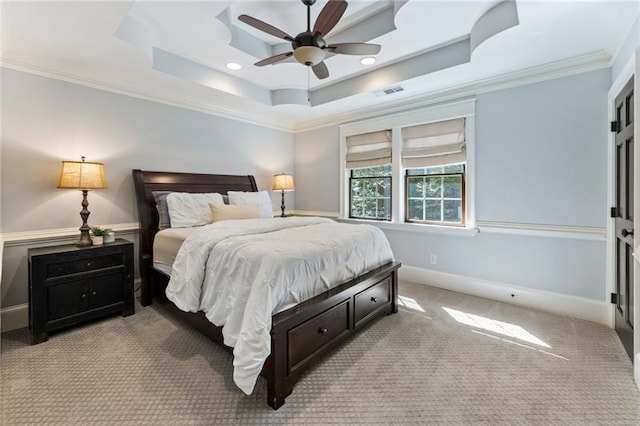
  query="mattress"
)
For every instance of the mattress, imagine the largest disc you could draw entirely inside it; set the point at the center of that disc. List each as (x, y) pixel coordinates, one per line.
(166, 245)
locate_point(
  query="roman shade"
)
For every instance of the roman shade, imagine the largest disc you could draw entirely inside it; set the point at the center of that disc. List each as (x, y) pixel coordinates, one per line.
(369, 149)
(434, 144)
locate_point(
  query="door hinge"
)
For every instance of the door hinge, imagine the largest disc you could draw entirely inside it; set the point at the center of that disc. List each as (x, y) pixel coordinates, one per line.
(614, 126)
(614, 212)
(614, 298)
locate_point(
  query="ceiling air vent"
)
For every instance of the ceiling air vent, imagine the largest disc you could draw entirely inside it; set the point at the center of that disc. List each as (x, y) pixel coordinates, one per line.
(389, 91)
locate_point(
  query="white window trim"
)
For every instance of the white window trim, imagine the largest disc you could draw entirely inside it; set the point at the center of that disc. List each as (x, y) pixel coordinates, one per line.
(463, 108)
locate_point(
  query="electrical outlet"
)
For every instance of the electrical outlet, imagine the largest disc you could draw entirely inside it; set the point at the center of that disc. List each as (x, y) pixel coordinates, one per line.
(433, 259)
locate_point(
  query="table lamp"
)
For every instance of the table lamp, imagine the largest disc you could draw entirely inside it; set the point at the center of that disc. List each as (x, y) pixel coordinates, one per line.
(84, 176)
(284, 183)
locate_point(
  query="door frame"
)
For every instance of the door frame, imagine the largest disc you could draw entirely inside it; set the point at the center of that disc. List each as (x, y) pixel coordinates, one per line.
(630, 69)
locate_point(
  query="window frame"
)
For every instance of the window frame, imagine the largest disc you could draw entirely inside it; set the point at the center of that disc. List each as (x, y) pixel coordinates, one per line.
(396, 121)
(433, 222)
(390, 177)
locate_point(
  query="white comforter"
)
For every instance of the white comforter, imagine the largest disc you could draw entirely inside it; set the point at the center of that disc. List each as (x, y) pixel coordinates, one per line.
(240, 272)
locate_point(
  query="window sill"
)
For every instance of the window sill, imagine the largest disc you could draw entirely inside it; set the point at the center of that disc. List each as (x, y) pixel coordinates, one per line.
(417, 227)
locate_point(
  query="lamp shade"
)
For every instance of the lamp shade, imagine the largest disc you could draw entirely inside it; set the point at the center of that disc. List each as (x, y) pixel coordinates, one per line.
(282, 182)
(82, 175)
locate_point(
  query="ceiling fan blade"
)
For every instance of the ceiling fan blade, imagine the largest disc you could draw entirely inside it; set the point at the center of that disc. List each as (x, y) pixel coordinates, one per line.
(329, 16)
(354, 48)
(273, 59)
(320, 70)
(263, 26)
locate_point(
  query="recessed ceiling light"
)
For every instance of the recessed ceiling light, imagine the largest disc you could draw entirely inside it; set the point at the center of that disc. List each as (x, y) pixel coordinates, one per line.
(234, 66)
(368, 60)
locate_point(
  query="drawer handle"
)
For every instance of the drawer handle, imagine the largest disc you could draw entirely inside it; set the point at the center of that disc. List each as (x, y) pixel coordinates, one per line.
(93, 293)
(323, 330)
(374, 299)
(83, 295)
(88, 264)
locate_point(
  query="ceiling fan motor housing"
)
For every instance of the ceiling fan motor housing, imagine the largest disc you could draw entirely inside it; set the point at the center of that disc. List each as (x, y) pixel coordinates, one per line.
(308, 48)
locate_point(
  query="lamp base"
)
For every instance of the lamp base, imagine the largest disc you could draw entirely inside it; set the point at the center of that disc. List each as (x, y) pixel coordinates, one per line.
(85, 238)
(282, 206)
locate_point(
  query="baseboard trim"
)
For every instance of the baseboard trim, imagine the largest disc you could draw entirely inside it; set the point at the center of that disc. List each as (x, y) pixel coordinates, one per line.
(14, 317)
(557, 303)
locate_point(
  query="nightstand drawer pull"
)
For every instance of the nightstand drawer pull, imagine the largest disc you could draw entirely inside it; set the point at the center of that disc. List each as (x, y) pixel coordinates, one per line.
(83, 295)
(88, 264)
(374, 299)
(93, 293)
(323, 330)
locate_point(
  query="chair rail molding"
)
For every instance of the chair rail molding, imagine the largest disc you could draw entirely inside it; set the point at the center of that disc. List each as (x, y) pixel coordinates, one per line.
(539, 230)
(9, 239)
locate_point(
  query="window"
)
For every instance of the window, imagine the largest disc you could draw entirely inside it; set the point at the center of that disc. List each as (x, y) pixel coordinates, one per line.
(370, 193)
(369, 159)
(411, 168)
(435, 194)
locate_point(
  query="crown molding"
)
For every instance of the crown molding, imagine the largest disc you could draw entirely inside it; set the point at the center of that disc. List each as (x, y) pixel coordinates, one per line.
(566, 67)
(101, 83)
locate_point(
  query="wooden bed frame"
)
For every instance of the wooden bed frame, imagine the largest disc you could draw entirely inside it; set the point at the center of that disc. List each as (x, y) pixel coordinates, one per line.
(300, 335)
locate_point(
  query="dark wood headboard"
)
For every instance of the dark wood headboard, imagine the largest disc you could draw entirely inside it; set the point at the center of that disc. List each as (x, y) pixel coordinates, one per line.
(146, 182)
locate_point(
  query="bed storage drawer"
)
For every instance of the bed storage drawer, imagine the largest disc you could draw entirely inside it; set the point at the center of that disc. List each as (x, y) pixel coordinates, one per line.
(313, 335)
(370, 300)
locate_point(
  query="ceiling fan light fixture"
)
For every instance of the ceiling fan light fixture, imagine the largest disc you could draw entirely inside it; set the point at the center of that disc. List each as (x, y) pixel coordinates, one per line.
(369, 60)
(309, 55)
(233, 66)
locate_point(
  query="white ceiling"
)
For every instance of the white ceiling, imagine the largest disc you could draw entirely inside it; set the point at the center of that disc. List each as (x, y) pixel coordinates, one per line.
(176, 51)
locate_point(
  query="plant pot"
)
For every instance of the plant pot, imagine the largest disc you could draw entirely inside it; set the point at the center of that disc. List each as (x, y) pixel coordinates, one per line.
(97, 241)
(110, 237)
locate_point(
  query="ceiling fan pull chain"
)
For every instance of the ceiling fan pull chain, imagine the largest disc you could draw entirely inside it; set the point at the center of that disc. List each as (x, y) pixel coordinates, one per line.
(309, 85)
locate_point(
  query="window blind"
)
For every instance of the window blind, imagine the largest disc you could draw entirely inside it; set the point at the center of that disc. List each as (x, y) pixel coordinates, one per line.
(434, 144)
(369, 149)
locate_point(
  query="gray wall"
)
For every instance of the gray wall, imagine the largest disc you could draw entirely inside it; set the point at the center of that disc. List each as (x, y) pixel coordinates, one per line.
(46, 121)
(317, 166)
(626, 50)
(540, 159)
(541, 152)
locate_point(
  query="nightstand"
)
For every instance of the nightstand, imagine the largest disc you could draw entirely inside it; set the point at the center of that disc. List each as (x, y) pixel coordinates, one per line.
(69, 285)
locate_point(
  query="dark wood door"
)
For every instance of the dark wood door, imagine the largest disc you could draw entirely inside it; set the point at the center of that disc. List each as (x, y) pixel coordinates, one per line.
(624, 216)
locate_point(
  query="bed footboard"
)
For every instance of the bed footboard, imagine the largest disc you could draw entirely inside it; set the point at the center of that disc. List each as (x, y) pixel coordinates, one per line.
(303, 334)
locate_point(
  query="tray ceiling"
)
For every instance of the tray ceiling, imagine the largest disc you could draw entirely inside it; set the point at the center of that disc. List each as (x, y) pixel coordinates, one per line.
(178, 51)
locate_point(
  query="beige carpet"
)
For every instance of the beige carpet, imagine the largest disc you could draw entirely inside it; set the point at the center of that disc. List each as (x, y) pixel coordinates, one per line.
(478, 362)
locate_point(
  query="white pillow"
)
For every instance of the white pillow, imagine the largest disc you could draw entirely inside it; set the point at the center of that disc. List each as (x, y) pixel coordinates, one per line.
(228, 212)
(186, 209)
(261, 198)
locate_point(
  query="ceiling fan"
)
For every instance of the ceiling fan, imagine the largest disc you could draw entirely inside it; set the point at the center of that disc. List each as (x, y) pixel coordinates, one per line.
(309, 47)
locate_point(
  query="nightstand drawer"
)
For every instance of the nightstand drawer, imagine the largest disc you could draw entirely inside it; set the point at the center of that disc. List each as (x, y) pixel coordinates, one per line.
(83, 265)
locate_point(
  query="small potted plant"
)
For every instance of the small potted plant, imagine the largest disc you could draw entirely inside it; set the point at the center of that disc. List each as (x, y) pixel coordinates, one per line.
(110, 236)
(97, 235)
